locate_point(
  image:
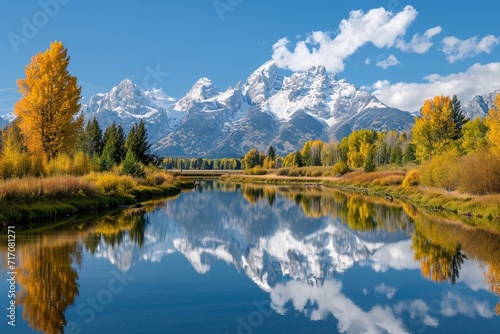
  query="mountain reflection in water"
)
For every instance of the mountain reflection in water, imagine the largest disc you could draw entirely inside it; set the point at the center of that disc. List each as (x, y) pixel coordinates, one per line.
(298, 244)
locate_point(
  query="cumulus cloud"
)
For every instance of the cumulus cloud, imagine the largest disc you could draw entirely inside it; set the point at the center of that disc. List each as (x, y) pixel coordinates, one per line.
(396, 256)
(328, 299)
(454, 303)
(457, 49)
(378, 26)
(385, 290)
(419, 43)
(367, 61)
(390, 61)
(419, 312)
(477, 79)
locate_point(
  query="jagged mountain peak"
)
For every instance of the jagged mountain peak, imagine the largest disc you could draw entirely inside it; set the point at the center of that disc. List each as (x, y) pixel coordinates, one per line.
(480, 104)
(269, 108)
(203, 89)
(127, 104)
(261, 83)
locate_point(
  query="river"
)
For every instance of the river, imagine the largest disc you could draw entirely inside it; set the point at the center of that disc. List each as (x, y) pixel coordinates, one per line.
(231, 258)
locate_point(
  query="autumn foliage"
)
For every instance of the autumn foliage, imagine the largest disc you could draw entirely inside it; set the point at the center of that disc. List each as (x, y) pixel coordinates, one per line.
(49, 104)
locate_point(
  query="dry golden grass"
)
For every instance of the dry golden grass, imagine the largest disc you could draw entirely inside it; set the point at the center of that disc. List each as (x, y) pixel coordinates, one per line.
(30, 188)
(382, 178)
(109, 183)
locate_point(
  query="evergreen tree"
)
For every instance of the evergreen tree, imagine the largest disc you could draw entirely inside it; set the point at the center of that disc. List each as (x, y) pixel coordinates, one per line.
(298, 160)
(137, 141)
(142, 144)
(130, 142)
(121, 151)
(130, 165)
(458, 117)
(396, 155)
(110, 154)
(271, 153)
(90, 141)
(370, 161)
(409, 154)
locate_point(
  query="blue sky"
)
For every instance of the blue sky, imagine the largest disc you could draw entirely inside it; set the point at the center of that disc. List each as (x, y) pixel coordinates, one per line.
(402, 51)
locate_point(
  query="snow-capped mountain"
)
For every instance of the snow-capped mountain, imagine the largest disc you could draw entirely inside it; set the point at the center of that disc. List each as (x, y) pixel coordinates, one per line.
(127, 104)
(270, 108)
(6, 119)
(480, 105)
(267, 109)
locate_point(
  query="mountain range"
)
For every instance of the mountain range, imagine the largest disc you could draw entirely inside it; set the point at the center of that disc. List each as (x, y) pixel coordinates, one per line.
(269, 108)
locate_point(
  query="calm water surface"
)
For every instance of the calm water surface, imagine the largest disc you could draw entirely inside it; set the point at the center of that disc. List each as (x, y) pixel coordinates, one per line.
(228, 258)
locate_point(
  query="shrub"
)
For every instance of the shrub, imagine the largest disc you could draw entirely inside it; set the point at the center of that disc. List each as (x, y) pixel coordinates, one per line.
(441, 171)
(389, 180)
(295, 172)
(283, 171)
(158, 178)
(60, 165)
(82, 164)
(112, 184)
(480, 173)
(340, 168)
(316, 173)
(412, 178)
(257, 170)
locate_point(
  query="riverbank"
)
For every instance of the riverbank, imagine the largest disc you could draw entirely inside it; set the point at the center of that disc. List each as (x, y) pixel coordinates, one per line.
(26, 200)
(482, 211)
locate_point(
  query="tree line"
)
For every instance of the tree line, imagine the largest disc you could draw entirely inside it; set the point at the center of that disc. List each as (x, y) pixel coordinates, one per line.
(449, 150)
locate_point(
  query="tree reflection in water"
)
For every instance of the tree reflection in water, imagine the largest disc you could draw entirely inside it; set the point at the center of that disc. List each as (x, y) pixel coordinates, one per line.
(48, 283)
(49, 264)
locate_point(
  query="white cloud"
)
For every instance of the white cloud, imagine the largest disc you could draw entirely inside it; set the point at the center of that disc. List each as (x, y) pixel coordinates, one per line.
(454, 303)
(477, 79)
(378, 26)
(385, 290)
(328, 299)
(419, 312)
(396, 256)
(419, 43)
(457, 49)
(390, 61)
(367, 61)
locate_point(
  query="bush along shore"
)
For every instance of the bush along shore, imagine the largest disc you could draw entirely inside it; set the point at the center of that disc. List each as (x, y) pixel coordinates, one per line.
(395, 185)
(29, 199)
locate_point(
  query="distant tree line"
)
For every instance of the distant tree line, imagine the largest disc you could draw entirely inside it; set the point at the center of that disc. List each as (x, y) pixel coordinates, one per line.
(202, 163)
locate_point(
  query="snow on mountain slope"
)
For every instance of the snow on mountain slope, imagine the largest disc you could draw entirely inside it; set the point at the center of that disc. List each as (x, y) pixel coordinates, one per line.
(268, 108)
(127, 104)
(273, 109)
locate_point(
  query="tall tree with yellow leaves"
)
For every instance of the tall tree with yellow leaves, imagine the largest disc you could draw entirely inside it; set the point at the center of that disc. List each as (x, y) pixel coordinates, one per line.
(49, 104)
(493, 123)
(435, 129)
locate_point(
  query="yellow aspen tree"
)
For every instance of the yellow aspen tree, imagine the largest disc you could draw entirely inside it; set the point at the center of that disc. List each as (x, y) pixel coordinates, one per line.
(435, 129)
(49, 104)
(493, 123)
